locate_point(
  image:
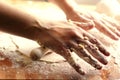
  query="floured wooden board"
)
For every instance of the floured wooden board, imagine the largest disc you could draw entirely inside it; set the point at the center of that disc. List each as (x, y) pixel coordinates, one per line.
(16, 64)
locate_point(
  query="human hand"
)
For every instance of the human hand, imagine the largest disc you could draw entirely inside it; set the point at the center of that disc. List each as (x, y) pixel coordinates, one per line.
(103, 23)
(64, 38)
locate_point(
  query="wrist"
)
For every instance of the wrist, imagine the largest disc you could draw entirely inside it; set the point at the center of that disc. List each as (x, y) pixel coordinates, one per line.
(67, 6)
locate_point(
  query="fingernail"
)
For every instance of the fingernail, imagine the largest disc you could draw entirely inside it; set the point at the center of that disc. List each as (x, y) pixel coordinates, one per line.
(103, 61)
(115, 37)
(98, 67)
(81, 72)
(104, 51)
(118, 33)
(78, 69)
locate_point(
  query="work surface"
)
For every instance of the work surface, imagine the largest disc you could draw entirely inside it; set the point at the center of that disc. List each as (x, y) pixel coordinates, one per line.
(16, 64)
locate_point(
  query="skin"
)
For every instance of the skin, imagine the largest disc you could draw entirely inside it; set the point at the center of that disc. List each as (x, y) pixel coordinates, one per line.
(110, 28)
(65, 36)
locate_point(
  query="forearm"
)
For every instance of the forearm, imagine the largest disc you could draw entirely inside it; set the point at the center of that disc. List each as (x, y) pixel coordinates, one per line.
(66, 5)
(17, 22)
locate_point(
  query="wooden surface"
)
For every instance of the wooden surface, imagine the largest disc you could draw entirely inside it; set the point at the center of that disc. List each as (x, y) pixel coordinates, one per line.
(16, 64)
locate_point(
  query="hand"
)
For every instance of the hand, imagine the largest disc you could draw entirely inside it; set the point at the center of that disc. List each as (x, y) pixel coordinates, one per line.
(105, 24)
(64, 38)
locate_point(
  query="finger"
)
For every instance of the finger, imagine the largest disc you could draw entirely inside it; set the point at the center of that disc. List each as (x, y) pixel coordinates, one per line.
(61, 49)
(111, 27)
(93, 50)
(97, 43)
(104, 29)
(67, 55)
(111, 21)
(86, 26)
(72, 62)
(81, 52)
